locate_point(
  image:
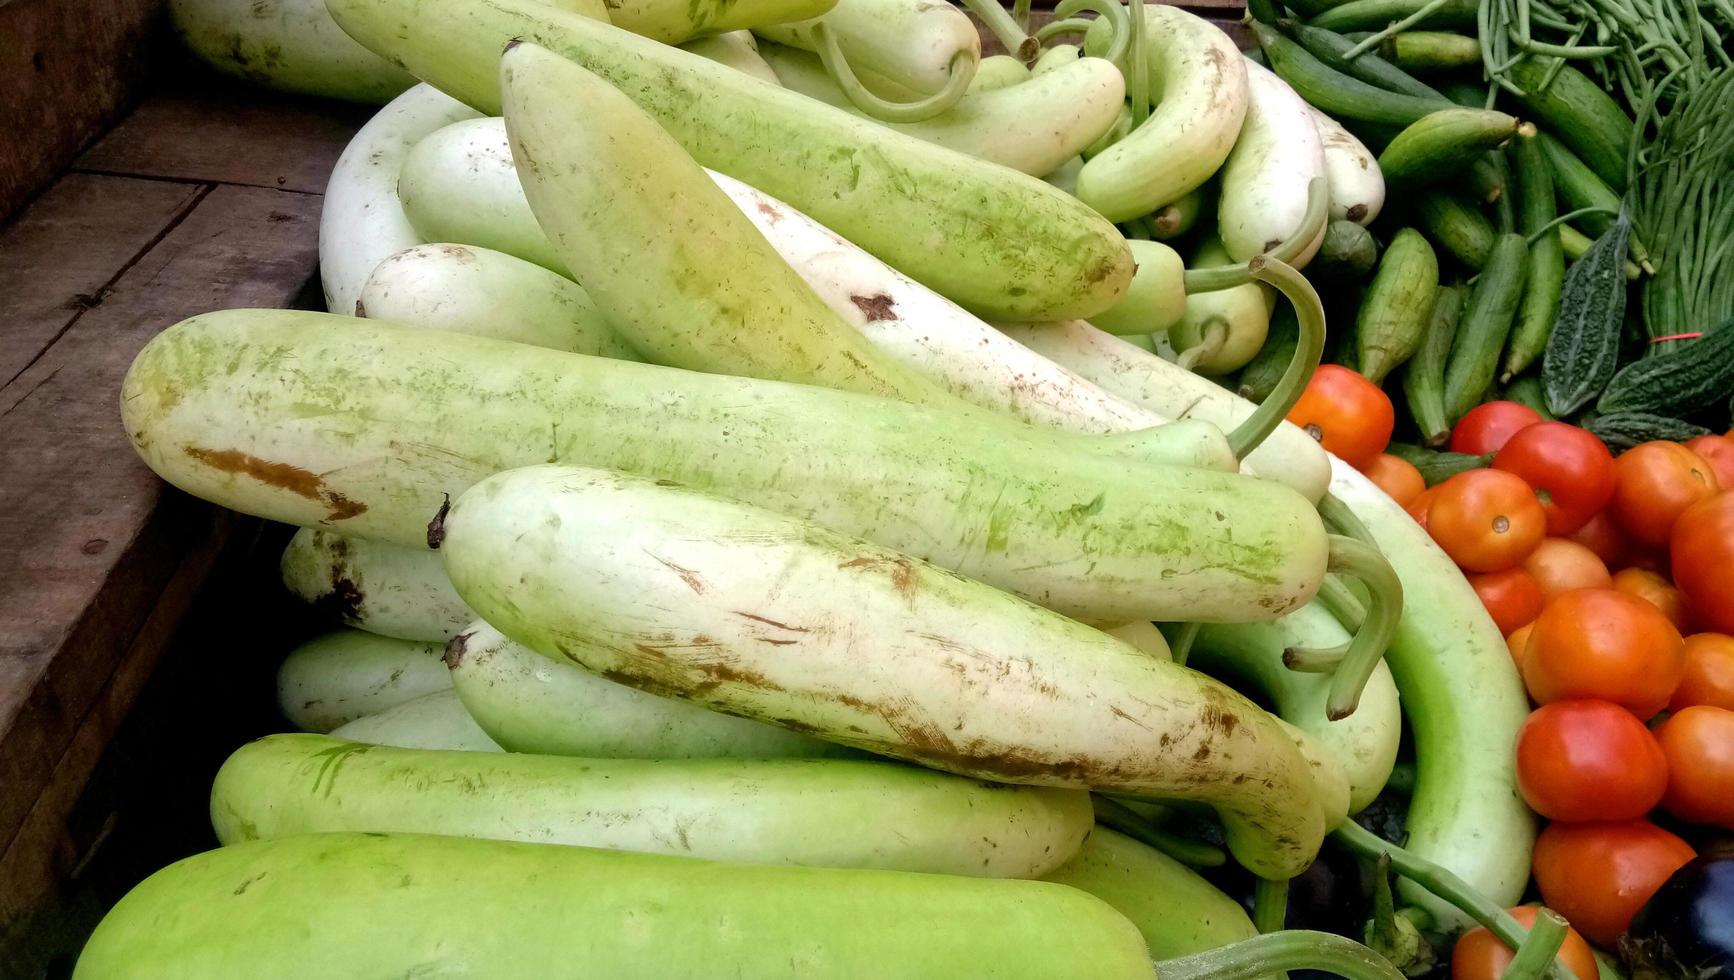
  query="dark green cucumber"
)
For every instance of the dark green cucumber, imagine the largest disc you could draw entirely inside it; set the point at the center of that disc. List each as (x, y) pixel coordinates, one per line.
(1441, 144)
(1623, 430)
(1578, 110)
(1485, 180)
(1527, 391)
(1584, 349)
(1348, 253)
(1261, 374)
(1424, 378)
(1465, 94)
(1578, 187)
(1397, 305)
(1455, 226)
(1436, 467)
(1331, 91)
(1486, 323)
(1546, 258)
(1372, 15)
(1424, 52)
(1329, 47)
(1697, 374)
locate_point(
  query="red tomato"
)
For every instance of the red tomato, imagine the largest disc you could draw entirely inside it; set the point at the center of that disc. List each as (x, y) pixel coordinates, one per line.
(1589, 760)
(1718, 451)
(1602, 535)
(1653, 484)
(1400, 480)
(1518, 643)
(1560, 566)
(1479, 955)
(1486, 520)
(1658, 592)
(1703, 560)
(1571, 470)
(1709, 677)
(1598, 875)
(1699, 744)
(1511, 597)
(1488, 425)
(1423, 502)
(1345, 412)
(1599, 643)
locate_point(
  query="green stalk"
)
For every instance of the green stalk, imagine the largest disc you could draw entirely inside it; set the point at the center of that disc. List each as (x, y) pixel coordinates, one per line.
(1373, 40)
(1351, 556)
(1342, 603)
(1315, 660)
(1272, 953)
(1006, 28)
(1213, 278)
(1114, 815)
(1539, 949)
(1138, 82)
(831, 55)
(1269, 904)
(1309, 347)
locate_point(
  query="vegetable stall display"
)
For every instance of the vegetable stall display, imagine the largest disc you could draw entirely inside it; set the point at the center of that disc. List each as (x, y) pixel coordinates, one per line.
(797, 497)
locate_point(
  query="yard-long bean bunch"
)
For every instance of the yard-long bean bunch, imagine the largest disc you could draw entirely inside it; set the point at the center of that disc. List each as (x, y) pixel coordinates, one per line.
(1644, 50)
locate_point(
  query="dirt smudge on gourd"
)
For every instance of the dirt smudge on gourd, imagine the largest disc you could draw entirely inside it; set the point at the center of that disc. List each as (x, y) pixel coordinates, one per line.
(693, 580)
(771, 622)
(287, 476)
(902, 572)
(875, 308)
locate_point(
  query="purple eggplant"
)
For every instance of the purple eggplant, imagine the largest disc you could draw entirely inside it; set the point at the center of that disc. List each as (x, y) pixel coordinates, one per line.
(1686, 930)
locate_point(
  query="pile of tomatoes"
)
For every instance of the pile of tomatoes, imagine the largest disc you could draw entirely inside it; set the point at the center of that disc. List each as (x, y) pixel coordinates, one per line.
(1612, 579)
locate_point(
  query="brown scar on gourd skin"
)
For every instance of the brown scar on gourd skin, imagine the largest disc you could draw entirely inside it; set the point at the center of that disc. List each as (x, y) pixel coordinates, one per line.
(298, 481)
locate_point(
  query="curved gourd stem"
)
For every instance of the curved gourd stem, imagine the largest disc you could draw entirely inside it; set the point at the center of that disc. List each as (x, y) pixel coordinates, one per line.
(1315, 660)
(1538, 951)
(1341, 602)
(1006, 28)
(1269, 904)
(1114, 815)
(1228, 276)
(1138, 77)
(1180, 647)
(1351, 556)
(1054, 28)
(1119, 24)
(1021, 14)
(1309, 347)
(831, 54)
(1443, 883)
(1274, 952)
(1212, 337)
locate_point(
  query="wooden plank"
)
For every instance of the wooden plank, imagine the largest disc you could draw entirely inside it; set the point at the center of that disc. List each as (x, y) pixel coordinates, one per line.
(68, 69)
(85, 535)
(63, 251)
(237, 135)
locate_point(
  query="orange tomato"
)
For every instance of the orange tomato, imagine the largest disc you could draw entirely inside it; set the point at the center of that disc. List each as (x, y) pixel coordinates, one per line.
(1598, 875)
(1599, 643)
(1559, 566)
(1418, 507)
(1589, 760)
(1658, 592)
(1518, 642)
(1699, 744)
(1718, 451)
(1653, 484)
(1486, 520)
(1511, 597)
(1709, 677)
(1602, 535)
(1400, 480)
(1703, 560)
(1349, 415)
(1479, 955)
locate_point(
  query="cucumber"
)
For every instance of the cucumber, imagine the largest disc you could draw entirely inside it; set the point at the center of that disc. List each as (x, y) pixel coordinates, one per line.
(1455, 226)
(1349, 253)
(997, 72)
(1397, 306)
(1424, 377)
(1695, 375)
(641, 225)
(333, 679)
(289, 45)
(996, 242)
(1437, 467)
(1579, 188)
(1357, 185)
(1262, 199)
(736, 49)
(377, 423)
(465, 288)
(1441, 144)
(915, 45)
(529, 703)
(1527, 390)
(824, 813)
(678, 21)
(1546, 258)
(1176, 909)
(381, 588)
(1329, 47)
(1223, 329)
(395, 905)
(1624, 430)
(1258, 379)
(1487, 318)
(1335, 93)
(1428, 52)
(1578, 110)
(1584, 349)
(361, 222)
(432, 721)
(1484, 180)
(1364, 15)
(1157, 297)
(757, 614)
(1191, 129)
